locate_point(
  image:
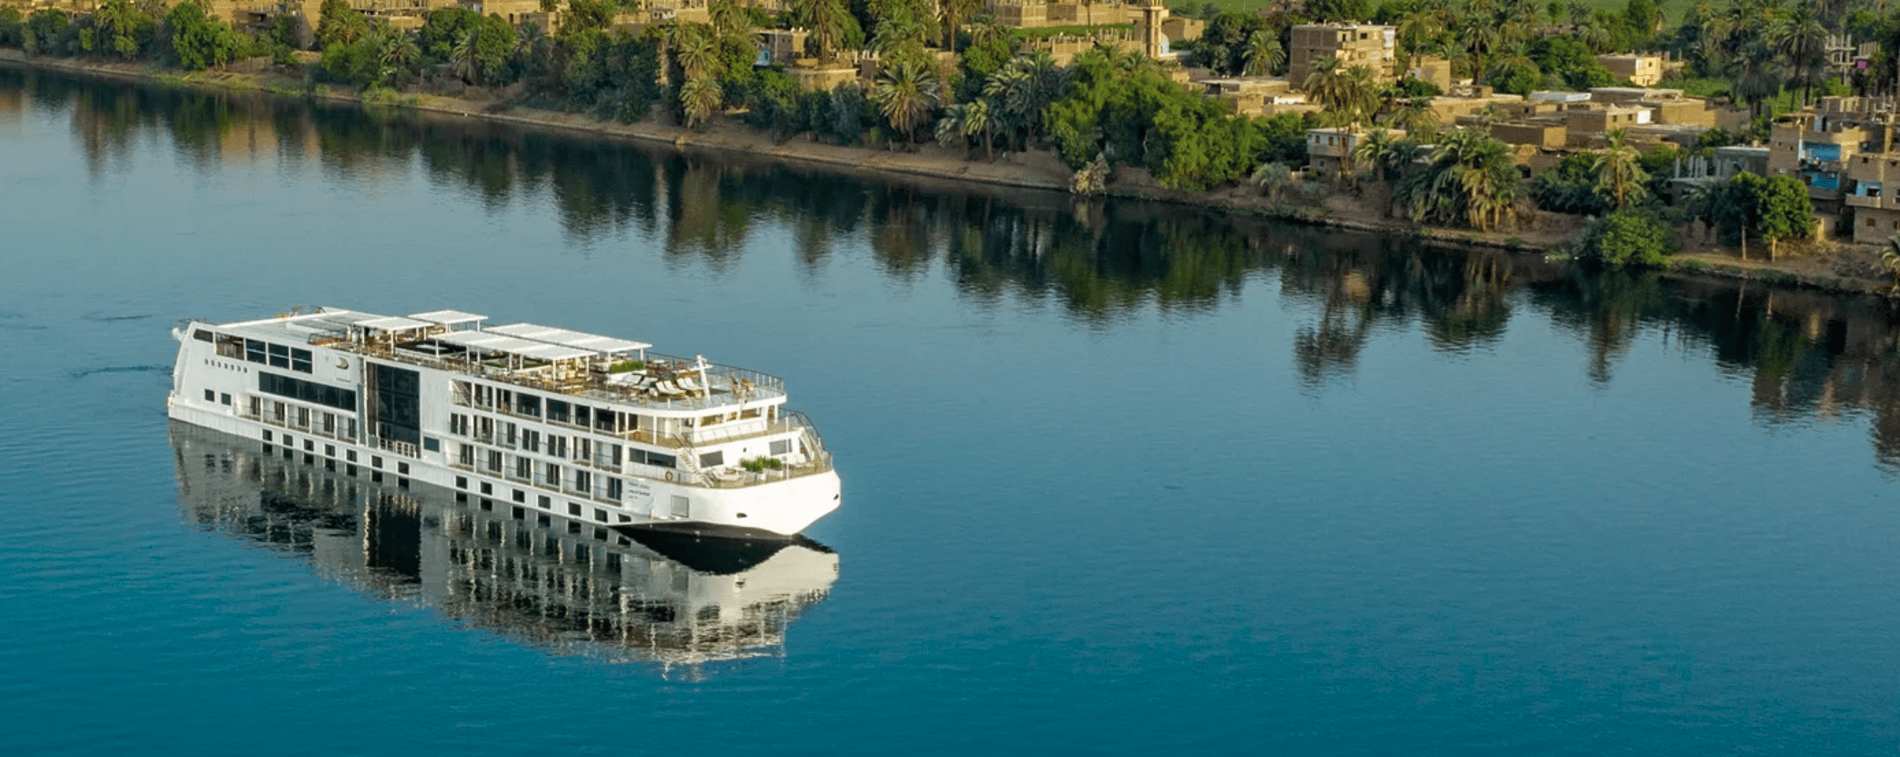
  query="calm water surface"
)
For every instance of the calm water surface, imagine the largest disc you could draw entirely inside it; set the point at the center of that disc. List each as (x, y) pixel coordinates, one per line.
(1120, 478)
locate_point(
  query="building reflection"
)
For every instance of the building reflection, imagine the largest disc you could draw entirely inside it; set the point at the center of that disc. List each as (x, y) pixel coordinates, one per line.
(564, 586)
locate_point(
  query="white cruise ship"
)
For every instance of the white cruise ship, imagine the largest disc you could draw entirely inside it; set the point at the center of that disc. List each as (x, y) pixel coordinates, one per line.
(586, 427)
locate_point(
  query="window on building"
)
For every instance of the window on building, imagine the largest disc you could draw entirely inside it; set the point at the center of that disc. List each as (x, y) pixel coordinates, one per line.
(429, 443)
(211, 396)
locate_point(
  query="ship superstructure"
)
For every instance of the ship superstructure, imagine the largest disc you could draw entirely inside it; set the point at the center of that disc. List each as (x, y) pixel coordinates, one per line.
(587, 427)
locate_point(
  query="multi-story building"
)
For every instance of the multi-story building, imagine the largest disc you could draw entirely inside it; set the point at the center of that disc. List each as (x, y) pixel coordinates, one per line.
(1369, 45)
(1641, 70)
(1329, 150)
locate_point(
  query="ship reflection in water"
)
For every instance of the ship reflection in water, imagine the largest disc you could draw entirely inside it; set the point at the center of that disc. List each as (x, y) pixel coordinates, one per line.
(569, 587)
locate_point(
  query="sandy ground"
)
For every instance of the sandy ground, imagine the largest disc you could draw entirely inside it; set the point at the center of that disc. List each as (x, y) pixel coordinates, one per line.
(1843, 267)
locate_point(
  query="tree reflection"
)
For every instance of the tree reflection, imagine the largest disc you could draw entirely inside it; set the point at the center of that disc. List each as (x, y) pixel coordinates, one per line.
(1806, 355)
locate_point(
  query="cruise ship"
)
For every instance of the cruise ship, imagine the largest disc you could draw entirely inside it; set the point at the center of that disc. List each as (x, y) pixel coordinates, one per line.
(585, 427)
(643, 597)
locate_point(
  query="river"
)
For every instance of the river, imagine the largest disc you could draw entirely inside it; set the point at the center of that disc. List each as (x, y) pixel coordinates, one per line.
(1119, 478)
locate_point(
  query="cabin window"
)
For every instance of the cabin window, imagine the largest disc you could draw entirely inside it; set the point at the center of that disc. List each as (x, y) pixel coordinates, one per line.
(329, 450)
(614, 490)
(429, 443)
(583, 481)
(465, 454)
(573, 509)
(558, 411)
(712, 459)
(205, 336)
(554, 475)
(663, 461)
(254, 350)
(781, 446)
(531, 441)
(279, 356)
(224, 399)
(350, 455)
(528, 404)
(211, 396)
(582, 416)
(375, 461)
(300, 360)
(494, 461)
(488, 488)
(521, 496)
(557, 445)
(544, 502)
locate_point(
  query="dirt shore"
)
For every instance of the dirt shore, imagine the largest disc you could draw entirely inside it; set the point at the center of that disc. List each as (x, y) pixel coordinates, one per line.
(1832, 266)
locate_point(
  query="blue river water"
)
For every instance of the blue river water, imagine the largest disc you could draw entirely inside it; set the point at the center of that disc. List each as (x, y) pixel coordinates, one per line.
(1119, 478)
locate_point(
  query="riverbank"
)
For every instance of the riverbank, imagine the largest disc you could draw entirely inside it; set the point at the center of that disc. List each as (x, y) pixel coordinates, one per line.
(1836, 267)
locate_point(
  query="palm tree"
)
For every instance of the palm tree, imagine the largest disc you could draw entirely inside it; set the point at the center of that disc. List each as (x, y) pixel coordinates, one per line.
(1416, 32)
(1618, 171)
(396, 52)
(1890, 260)
(462, 58)
(953, 14)
(1024, 88)
(1371, 148)
(700, 99)
(1264, 53)
(1800, 36)
(826, 20)
(964, 122)
(906, 93)
(1469, 180)
(697, 50)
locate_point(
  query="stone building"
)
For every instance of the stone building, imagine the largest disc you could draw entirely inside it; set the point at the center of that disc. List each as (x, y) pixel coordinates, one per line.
(1372, 46)
(1329, 150)
(1641, 70)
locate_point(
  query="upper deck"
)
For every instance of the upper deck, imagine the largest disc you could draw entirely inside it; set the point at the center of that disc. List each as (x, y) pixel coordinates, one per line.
(548, 359)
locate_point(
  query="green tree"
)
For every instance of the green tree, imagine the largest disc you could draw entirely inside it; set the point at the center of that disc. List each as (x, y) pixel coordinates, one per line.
(1468, 180)
(829, 22)
(1618, 172)
(907, 92)
(699, 100)
(1264, 53)
(200, 41)
(339, 24)
(1628, 236)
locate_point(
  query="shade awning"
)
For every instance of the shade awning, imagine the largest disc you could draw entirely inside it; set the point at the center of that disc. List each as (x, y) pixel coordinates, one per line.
(567, 338)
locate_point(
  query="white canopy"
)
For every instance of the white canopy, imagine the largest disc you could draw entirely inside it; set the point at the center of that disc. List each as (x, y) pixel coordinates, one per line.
(566, 338)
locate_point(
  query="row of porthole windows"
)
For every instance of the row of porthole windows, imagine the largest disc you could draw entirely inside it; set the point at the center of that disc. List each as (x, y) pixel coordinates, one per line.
(542, 501)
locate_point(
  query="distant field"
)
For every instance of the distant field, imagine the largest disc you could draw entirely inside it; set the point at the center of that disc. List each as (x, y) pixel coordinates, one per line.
(1671, 8)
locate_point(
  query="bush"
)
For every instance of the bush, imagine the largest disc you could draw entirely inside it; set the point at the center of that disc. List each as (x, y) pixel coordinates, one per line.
(1628, 237)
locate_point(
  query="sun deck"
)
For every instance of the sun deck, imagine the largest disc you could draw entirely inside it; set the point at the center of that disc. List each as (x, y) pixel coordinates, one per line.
(548, 359)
